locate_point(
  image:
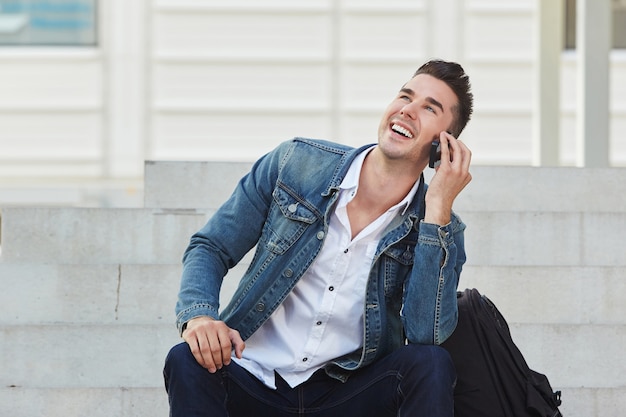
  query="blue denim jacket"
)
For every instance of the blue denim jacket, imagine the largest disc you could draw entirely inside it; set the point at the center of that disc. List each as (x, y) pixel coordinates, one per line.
(283, 207)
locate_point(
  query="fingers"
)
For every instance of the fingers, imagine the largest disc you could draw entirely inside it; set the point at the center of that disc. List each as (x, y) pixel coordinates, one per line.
(211, 342)
(454, 151)
(237, 342)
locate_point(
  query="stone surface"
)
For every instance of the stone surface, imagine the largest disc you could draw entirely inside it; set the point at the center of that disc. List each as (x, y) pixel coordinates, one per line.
(87, 307)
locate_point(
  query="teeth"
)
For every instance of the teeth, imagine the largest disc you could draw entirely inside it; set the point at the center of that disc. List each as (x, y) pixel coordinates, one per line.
(401, 130)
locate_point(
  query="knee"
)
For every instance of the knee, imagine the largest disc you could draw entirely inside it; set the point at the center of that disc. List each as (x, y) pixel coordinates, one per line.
(434, 361)
(179, 356)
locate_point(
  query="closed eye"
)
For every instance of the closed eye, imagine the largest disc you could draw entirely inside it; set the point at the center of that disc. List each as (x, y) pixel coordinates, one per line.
(406, 94)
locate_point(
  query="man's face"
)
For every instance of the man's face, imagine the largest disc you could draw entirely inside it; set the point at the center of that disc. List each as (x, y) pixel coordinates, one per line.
(421, 110)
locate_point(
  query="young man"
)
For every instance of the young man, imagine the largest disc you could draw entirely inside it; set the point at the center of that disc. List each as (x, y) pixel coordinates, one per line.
(353, 283)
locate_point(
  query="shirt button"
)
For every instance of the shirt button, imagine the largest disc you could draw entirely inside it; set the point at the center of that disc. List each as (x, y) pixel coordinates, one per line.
(260, 307)
(288, 273)
(345, 251)
(331, 288)
(292, 208)
(305, 359)
(320, 235)
(318, 323)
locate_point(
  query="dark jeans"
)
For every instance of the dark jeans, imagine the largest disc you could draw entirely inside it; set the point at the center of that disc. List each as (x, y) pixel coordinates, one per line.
(414, 381)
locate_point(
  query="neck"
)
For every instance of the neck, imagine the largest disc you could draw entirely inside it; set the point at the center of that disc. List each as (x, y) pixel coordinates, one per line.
(385, 182)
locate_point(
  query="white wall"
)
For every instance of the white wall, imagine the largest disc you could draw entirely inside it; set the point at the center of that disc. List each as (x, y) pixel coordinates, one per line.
(228, 80)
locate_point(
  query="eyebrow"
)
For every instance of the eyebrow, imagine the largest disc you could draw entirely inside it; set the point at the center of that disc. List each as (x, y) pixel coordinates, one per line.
(428, 99)
(435, 103)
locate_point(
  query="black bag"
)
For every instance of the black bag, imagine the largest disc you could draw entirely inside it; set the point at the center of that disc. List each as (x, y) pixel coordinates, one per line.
(493, 378)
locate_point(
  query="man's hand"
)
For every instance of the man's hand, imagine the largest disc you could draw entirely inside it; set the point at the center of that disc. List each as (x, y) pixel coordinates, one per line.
(212, 341)
(450, 179)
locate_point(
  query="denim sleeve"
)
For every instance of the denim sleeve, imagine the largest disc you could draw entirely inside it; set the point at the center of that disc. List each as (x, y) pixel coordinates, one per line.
(228, 235)
(429, 311)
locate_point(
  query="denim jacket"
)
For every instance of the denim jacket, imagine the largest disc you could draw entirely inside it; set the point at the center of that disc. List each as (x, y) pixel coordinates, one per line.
(283, 206)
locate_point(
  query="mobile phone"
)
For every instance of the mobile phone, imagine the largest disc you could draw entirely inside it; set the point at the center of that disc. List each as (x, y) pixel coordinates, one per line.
(435, 154)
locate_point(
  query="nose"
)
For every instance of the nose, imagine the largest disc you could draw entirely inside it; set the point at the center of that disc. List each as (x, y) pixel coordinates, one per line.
(409, 110)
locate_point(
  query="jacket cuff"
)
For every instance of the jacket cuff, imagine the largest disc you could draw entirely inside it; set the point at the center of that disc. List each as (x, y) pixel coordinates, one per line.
(198, 310)
(434, 234)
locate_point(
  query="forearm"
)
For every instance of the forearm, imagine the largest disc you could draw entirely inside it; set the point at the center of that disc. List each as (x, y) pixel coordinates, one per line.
(227, 236)
(200, 286)
(429, 312)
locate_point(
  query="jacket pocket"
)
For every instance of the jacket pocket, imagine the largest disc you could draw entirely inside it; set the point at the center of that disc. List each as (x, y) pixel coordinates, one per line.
(288, 218)
(398, 263)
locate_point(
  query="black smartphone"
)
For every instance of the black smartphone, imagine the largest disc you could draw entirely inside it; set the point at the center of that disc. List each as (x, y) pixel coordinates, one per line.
(435, 154)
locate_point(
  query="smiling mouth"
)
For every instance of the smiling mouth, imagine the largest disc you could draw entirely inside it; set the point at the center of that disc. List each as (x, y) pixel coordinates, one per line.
(404, 132)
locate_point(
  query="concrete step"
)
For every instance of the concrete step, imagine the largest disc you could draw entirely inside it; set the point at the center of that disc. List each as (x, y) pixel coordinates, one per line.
(39, 294)
(493, 188)
(92, 235)
(552, 294)
(574, 355)
(152, 402)
(109, 356)
(85, 355)
(498, 188)
(83, 402)
(181, 184)
(146, 294)
(545, 238)
(159, 236)
(74, 192)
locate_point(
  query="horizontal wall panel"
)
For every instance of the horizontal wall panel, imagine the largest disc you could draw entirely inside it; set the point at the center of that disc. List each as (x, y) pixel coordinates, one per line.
(236, 136)
(500, 37)
(55, 82)
(372, 86)
(243, 34)
(358, 129)
(50, 83)
(568, 140)
(383, 6)
(378, 35)
(499, 140)
(41, 168)
(617, 143)
(258, 6)
(569, 84)
(617, 81)
(52, 136)
(499, 6)
(249, 85)
(499, 85)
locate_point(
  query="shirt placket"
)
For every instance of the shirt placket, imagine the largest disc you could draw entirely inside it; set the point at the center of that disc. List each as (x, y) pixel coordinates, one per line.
(333, 286)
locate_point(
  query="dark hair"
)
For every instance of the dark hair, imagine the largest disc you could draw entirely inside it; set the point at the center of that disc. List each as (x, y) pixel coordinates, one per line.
(455, 77)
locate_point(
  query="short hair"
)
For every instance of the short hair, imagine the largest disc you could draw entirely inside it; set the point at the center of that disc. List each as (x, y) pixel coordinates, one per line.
(455, 77)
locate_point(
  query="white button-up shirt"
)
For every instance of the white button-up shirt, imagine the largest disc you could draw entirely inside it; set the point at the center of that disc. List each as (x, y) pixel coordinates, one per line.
(322, 318)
